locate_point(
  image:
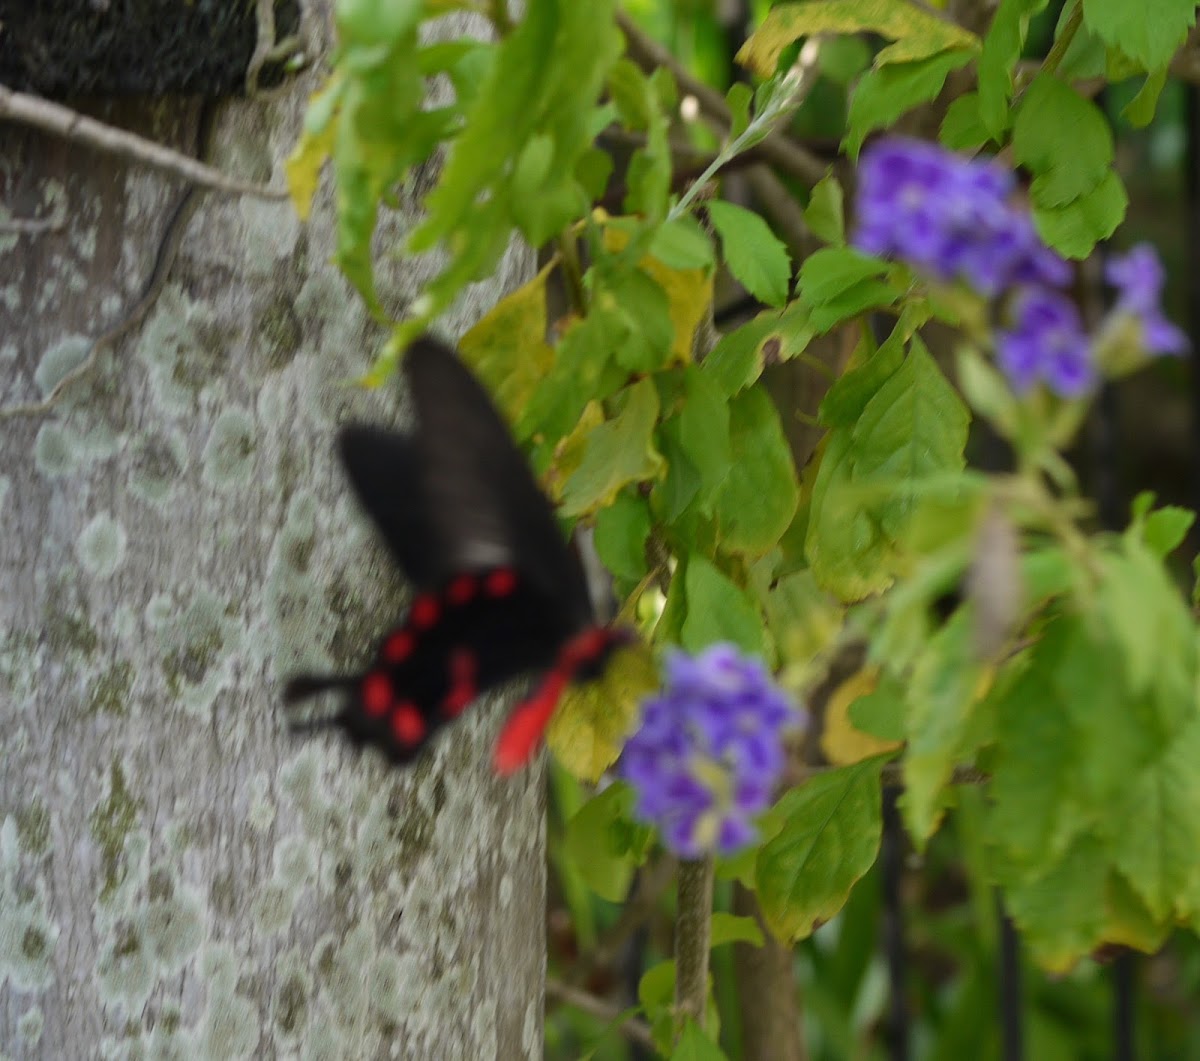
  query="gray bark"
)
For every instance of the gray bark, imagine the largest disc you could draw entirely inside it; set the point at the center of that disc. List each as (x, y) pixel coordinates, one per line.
(178, 876)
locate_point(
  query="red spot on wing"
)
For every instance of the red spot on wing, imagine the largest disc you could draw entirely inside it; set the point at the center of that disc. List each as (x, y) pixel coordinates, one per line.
(425, 612)
(461, 589)
(501, 582)
(522, 733)
(584, 647)
(407, 724)
(398, 647)
(376, 693)
(463, 668)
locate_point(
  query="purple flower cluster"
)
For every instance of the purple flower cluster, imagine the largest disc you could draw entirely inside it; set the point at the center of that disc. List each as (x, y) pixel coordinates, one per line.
(952, 218)
(709, 751)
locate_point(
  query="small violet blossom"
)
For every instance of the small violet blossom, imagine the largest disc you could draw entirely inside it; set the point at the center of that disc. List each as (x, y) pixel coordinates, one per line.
(709, 751)
(1138, 278)
(949, 217)
(1048, 345)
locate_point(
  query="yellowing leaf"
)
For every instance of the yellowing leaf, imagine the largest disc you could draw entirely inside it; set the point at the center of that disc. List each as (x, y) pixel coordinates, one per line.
(507, 349)
(689, 293)
(568, 454)
(303, 167)
(618, 452)
(593, 720)
(919, 35)
(841, 743)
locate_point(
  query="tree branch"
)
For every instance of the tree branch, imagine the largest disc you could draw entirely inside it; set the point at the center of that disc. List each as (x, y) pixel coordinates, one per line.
(633, 1028)
(61, 121)
(693, 933)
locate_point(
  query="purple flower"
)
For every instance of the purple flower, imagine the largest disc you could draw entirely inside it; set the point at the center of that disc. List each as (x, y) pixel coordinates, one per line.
(949, 217)
(1138, 277)
(1047, 345)
(709, 751)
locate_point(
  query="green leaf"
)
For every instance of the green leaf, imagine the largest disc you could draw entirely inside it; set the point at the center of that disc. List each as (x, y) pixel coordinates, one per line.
(682, 244)
(729, 928)
(887, 92)
(617, 453)
(738, 100)
(694, 1045)
(855, 300)
(621, 533)
(845, 401)
(598, 840)
(756, 257)
(829, 840)
(919, 34)
(1075, 229)
(881, 713)
(704, 433)
(1157, 831)
(1001, 49)
(1149, 32)
(831, 271)
(637, 316)
(717, 610)
(758, 498)
(915, 426)
(825, 213)
(940, 702)
(1165, 529)
(1064, 140)
(963, 127)
(987, 392)
(1139, 111)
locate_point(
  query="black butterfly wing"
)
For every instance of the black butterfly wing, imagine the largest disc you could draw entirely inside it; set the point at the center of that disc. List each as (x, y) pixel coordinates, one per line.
(463, 515)
(470, 501)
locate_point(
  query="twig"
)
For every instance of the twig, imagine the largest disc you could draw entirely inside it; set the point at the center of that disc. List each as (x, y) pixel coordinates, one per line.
(777, 149)
(62, 121)
(693, 932)
(633, 1028)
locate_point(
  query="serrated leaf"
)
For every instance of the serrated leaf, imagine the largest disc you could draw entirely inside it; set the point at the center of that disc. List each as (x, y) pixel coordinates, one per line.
(825, 213)
(758, 498)
(1064, 140)
(755, 255)
(920, 34)
(829, 839)
(831, 271)
(738, 358)
(887, 92)
(1074, 230)
(621, 533)
(618, 453)
(718, 610)
(1149, 33)
(507, 348)
(915, 426)
(868, 295)
(593, 719)
(682, 244)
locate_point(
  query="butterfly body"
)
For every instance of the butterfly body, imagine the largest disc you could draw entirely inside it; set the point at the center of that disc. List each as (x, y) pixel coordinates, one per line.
(498, 592)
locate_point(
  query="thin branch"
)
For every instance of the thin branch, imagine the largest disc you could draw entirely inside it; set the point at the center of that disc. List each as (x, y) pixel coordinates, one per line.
(61, 121)
(693, 937)
(633, 1028)
(777, 149)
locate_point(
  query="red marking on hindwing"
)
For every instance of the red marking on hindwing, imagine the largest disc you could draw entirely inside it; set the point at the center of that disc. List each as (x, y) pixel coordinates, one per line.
(461, 589)
(501, 582)
(398, 647)
(407, 724)
(376, 693)
(463, 669)
(425, 611)
(584, 647)
(522, 733)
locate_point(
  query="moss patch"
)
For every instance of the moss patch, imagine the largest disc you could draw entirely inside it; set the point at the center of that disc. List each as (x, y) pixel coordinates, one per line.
(111, 822)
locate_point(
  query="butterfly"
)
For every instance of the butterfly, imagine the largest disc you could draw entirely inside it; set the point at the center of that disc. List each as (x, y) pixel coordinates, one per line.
(499, 593)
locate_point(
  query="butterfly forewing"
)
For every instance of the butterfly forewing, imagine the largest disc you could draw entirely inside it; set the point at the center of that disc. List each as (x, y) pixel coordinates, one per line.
(500, 593)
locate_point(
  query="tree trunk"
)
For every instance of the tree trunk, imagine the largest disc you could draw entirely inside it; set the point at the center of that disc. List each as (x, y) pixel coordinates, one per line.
(178, 876)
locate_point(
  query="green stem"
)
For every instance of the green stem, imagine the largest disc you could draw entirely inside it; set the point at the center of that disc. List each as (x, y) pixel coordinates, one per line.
(1059, 49)
(692, 941)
